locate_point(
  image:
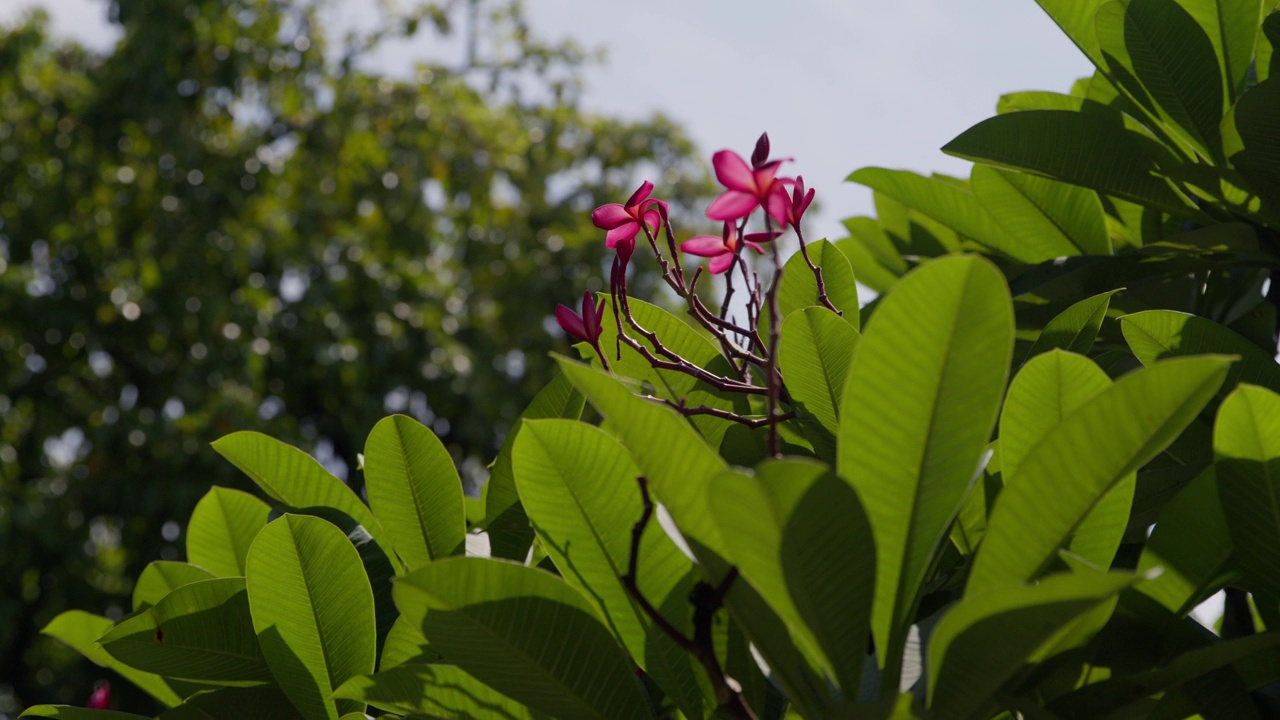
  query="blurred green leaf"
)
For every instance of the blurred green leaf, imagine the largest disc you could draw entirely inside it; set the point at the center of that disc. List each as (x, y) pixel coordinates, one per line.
(67, 712)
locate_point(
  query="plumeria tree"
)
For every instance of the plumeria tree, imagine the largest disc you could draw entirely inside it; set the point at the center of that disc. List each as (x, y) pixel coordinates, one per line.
(999, 490)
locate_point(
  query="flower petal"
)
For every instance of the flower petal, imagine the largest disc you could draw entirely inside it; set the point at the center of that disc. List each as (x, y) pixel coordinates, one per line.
(778, 205)
(761, 237)
(704, 246)
(640, 194)
(569, 321)
(622, 233)
(732, 171)
(721, 263)
(608, 217)
(732, 205)
(759, 250)
(654, 220)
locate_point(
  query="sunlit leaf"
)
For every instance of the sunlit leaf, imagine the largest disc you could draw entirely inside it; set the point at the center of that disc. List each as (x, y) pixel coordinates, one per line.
(222, 528)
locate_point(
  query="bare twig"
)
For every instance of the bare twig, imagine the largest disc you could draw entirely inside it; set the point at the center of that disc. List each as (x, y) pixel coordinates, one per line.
(706, 601)
(817, 275)
(687, 411)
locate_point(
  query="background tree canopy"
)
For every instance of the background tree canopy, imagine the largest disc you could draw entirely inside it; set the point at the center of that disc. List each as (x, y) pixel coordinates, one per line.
(228, 223)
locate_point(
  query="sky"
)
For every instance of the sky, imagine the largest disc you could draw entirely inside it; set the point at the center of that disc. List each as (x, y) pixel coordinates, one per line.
(837, 84)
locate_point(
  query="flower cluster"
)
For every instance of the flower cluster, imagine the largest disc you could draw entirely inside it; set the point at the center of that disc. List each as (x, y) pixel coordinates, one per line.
(747, 187)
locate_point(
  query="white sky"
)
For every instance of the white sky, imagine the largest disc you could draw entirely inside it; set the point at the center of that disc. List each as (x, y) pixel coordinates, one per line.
(838, 84)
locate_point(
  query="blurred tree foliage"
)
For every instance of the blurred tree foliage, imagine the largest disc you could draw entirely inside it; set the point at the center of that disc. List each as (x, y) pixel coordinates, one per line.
(232, 222)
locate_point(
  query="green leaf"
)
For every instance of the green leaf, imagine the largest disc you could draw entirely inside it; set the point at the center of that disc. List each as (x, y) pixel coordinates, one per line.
(801, 538)
(294, 478)
(233, 703)
(81, 631)
(200, 632)
(1087, 454)
(508, 528)
(875, 261)
(814, 352)
(1155, 50)
(434, 691)
(1075, 328)
(919, 405)
(1156, 334)
(222, 528)
(414, 490)
(579, 487)
(983, 643)
(1091, 148)
(1246, 441)
(69, 712)
(406, 644)
(161, 577)
(1076, 18)
(1251, 137)
(954, 207)
(1232, 29)
(313, 611)
(1191, 545)
(1046, 390)
(1053, 217)
(799, 288)
(525, 633)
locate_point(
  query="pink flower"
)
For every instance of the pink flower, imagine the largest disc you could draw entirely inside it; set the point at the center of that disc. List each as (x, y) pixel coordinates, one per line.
(623, 221)
(101, 696)
(793, 210)
(585, 327)
(723, 249)
(751, 186)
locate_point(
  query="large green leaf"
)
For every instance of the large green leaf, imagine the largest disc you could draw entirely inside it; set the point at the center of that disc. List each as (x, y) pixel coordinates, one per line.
(1076, 18)
(987, 640)
(800, 536)
(313, 611)
(954, 207)
(234, 703)
(161, 577)
(294, 478)
(1075, 328)
(1156, 334)
(81, 631)
(1252, 132)
(814, 352)
(1091, 148)
(1155, 50)
(222, 528)
(1191, 546)
(200, 632)
(505, 520)
(406, 644)
(1232, 29)
(1047, 389)
(579, 487)
(1054, 217)
(918, 408)
(414, 490)
(525, 633)
(799, 288)
(435, 691)
(1087, 454)
(1246, 441)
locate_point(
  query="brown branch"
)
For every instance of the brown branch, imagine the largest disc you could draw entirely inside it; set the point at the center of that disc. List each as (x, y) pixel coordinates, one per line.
(773, 378)
(706, 601)
(817, 275)
(687, 411)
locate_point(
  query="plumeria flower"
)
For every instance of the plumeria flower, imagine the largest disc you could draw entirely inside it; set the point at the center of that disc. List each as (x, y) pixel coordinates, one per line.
(101, 697)
(585, 327)
(793, 210)
(623, 221)
(749, 187)
(723, 249)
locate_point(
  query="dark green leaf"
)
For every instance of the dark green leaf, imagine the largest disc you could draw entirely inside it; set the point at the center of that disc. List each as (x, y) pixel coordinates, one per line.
(1075, 328)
